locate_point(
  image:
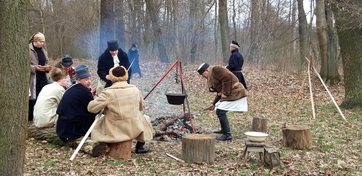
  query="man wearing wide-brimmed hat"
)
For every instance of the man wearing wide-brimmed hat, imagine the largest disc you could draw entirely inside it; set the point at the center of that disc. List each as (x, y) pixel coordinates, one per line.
(230, 95)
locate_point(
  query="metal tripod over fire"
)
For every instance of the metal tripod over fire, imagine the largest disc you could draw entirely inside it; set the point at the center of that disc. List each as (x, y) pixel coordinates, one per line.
(177, 98)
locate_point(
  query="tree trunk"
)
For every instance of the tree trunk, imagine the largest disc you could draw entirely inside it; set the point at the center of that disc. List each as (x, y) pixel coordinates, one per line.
(14, 92)
(107, 21)
(224, 30)
(297, 136)
(198, 148)
(303, 33)
(153, 11)
(322, 37)
(119, 23)
(350, 39)
(260, 124)
(194, 28)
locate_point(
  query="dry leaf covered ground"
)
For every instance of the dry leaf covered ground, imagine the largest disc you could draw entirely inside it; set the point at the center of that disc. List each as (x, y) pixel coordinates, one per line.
(278, 96)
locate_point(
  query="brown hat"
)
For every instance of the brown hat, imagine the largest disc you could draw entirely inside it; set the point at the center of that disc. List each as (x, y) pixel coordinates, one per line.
(117, 74)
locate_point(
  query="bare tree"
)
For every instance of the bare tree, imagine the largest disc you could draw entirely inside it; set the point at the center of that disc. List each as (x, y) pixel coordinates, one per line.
(107, 22)
(322, 36)
(152, 8)
(14, 76)
(303, 32)
(224, 29)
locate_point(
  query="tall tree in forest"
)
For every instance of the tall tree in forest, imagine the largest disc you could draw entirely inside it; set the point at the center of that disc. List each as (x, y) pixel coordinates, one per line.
(153, 11)
(14, 77)
(322, 36)
(255, 30)
(328, 42)
(120, 26)
(348, 22)
(193, 28)
(107, 22)
(303, 33)
(224, 29)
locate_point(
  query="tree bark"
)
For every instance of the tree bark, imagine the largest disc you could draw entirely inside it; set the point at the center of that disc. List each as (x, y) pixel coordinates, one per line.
(198, 148)
(303, 34)
(153, 11)
(297, 136)
(14, 92)
(350, 39)
(260, 124)
(107, 21)
(224, 30)
(322, 37)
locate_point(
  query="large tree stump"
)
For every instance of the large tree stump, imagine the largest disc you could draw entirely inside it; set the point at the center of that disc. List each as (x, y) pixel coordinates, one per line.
(120, 150)
(198, 148)
(259, 124)
(297, 136)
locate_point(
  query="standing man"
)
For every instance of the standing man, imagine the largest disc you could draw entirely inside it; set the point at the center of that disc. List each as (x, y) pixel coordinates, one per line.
(236, 62)
(134, 56)
(74, 119)
(113, 56)
(231, 95)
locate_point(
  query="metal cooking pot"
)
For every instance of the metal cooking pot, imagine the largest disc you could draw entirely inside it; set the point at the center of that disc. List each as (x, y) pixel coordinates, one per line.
(175, 98)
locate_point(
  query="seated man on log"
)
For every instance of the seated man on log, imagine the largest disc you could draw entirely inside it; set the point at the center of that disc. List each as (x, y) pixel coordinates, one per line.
(49, 97)
(74, 119)
(231, 95)
(123, 106)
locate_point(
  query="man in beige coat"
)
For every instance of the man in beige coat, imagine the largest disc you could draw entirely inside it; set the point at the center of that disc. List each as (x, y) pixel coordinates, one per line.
(123, 106)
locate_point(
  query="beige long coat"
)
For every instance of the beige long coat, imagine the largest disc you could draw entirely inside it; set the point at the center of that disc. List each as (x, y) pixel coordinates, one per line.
(123, 119)
(33, 63)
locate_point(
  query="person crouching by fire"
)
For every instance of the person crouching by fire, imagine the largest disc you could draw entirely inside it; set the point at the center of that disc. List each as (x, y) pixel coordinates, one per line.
(123, 106)
(231, 95)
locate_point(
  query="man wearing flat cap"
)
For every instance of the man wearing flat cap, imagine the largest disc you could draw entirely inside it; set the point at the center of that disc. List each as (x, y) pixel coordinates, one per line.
(66, 66)
(113, 56)
(74, 119)
(230, 95)
(236, 62)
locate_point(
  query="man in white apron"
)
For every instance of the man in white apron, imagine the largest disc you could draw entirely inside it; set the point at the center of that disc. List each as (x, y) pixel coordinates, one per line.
(231, 95)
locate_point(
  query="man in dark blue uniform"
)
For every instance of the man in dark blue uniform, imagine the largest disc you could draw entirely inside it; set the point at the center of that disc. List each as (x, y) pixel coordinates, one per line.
(236, 62)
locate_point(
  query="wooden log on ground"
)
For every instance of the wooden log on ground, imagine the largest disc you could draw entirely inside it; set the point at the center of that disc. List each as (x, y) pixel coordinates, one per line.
(50, 135)
(259, 124)
(120, 150)
(297, 136)
(198, 148)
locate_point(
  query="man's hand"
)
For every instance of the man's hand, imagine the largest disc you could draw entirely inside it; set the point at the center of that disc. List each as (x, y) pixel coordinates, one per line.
(210, 108)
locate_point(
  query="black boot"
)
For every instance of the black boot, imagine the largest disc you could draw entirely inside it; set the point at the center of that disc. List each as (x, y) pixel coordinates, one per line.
(140, 148)
(224, 123)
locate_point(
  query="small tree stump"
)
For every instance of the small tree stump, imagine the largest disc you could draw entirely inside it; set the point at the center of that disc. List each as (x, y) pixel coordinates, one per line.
(297, 136)
(198, 148)
(259, 124)
(120, 150)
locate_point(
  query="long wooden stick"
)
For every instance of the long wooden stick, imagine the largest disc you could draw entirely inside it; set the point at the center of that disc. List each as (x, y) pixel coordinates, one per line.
(86, 136)
(329, 93)
(310, 90)
(174, 157)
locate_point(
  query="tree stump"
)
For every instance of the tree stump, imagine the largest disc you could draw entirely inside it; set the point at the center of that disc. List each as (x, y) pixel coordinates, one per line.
(259, 124)
(297, 136)
(198, 148)
(120, 150)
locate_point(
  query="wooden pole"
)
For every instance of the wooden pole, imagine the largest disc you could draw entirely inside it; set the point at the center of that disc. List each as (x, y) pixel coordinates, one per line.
(310, 90)
(329, 93)
(86, 136)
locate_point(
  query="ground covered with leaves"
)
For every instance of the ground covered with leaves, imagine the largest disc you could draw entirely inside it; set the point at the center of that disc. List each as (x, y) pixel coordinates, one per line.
(279, 96)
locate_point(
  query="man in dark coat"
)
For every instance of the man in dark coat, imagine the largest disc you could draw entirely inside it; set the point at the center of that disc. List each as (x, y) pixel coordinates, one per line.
(113, 56)
(74, 119)
(236, 62)
(231, 95)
